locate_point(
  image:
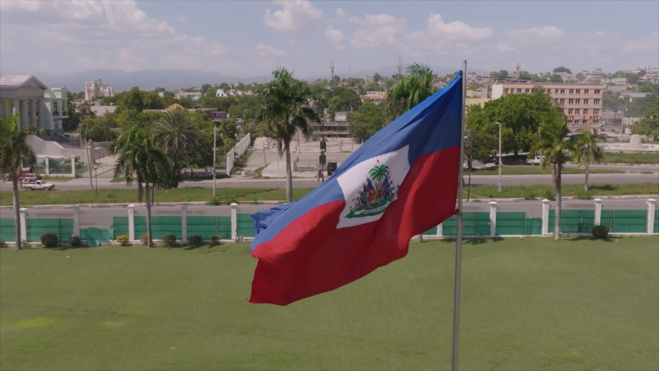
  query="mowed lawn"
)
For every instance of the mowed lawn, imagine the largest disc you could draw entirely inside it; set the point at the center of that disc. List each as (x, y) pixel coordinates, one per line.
(527, 304)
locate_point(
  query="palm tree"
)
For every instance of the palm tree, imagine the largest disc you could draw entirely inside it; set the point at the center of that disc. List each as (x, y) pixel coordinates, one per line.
(588, 150)
(285, 111)
(409, 91)
(138, 155)
(176, 135)
(14, 150)
(553, 143)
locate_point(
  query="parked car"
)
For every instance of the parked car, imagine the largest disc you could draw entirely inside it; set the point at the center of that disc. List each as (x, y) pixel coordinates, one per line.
(537, 160)
(37, 185)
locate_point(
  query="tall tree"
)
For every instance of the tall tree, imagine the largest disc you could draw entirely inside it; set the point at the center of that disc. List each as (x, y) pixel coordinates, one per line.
(409, 91)
(285, 110)
(177, 136)
(552, 142)
(369, 120)
(139, 157)
(587, 150)
(14, 151)
(648, 124)
(520, 115)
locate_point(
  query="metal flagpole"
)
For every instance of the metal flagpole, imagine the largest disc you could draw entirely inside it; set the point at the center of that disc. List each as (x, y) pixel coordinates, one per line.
(458, 239)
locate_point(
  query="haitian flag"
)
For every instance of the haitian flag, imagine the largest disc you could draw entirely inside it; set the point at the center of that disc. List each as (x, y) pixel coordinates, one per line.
(400, 183)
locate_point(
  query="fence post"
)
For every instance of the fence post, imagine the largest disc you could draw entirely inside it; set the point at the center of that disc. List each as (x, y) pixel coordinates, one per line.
(493, 218)
(234, 221)
(651, 208)
(184, 223)
(131, 222)
(23, 217)
(76, 220)
(47, 165)
(545, 216)
(598, 211)
(73, 166)
(440, 229)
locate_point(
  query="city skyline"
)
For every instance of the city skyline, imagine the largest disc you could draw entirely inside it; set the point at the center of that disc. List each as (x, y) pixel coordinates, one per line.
(247, 39)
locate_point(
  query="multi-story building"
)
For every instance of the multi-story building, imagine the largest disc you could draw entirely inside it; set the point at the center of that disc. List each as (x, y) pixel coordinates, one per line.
(581, 103)
(37, 104)
(96, 90)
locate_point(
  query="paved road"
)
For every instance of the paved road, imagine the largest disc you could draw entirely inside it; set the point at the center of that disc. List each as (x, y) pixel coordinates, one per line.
(506, 180)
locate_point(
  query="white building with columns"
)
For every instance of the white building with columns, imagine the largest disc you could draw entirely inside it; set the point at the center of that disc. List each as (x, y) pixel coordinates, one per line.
(37, 104)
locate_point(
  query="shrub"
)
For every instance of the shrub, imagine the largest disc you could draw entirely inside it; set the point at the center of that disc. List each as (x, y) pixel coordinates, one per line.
(216, 238)
(169, 239)
(215, 201)
(49, 240)
(76, 241)
(123, 240)
(600, 231)
(3, 243)
(145, 239)
(196, 239)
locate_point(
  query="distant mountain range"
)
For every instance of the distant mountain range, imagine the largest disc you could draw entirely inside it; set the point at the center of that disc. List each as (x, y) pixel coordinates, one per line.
(180, 79)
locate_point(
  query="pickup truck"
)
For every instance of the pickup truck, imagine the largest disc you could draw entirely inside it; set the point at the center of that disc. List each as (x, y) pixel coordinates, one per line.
(37, 185)
(537, 160)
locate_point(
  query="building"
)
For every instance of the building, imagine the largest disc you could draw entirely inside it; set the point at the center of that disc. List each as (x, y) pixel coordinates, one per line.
(193, 95)
(38, 105)
(581, 103)
(95, 90)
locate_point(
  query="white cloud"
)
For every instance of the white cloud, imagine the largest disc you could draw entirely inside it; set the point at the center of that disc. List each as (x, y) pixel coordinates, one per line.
(268, 50)
(379, 30)
(333, 35)
(340, 13)
(182, 19)
(102, 34)
(548, 32)
(295, 15)
(456, 30)
(643, 45)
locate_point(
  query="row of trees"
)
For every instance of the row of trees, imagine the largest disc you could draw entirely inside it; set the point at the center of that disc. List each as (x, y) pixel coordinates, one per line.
(153, 147)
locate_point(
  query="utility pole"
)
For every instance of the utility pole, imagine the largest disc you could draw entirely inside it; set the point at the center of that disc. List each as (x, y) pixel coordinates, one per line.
(214, 155)
(499, 124)
(89, 160)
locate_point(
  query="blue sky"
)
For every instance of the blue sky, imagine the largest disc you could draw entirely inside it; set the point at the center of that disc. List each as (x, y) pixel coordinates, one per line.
(252, 38)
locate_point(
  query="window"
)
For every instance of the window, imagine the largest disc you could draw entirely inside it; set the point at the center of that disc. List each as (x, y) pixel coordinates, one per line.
(585, 101)
(595, 122)
(570, 111)
(571, 91)
(562, 100)
(584, 121)
(505, 90)
(527, 91)
(555, 91)
(570, 101)
(519, 90)
(576, 111)
(585, 91)
(578, 91)
(577, 101)
(596, 111)
(585, 111)
(597, 91)
(596, 101)
(562, 91)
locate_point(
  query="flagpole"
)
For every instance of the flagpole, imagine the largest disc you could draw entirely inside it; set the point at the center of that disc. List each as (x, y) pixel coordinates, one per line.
(458, 238)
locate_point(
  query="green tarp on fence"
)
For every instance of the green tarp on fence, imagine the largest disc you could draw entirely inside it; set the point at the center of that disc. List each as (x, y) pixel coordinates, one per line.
(7, 229)
(62, 228)
(623, 221)
(516, 223)
(473, 224)
(573, 221)
(207, 226)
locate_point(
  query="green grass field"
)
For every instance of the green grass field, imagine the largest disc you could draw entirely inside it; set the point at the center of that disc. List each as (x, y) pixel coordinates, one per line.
(527, 304)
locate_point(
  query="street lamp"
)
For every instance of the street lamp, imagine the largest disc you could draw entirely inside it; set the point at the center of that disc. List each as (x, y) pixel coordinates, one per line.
(214, 155)
(499, 125)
